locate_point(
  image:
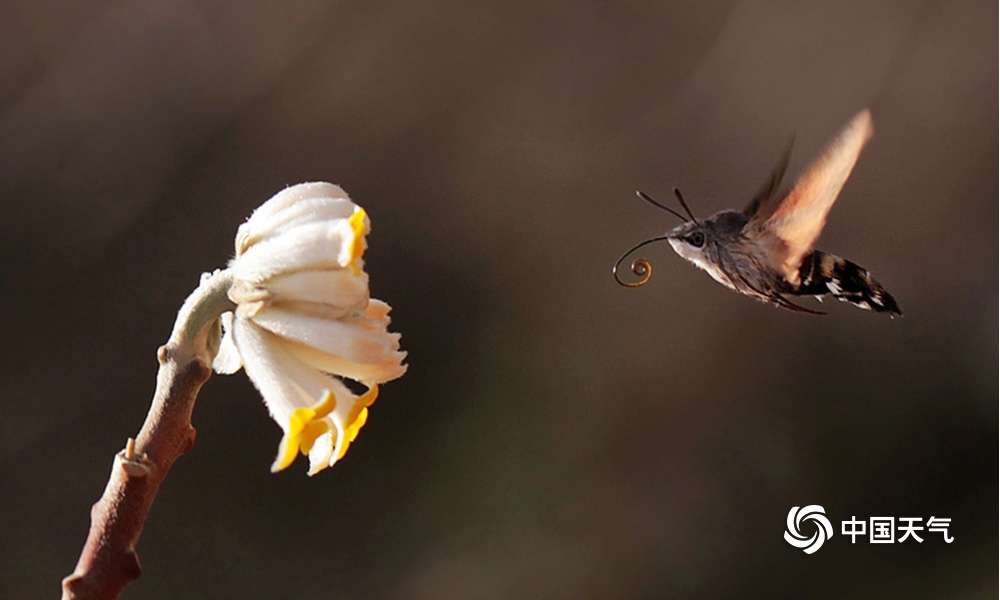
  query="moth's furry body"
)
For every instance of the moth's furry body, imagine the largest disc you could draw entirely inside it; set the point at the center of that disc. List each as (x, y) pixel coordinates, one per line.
(726, 254)
(765, 250)
(734, 259)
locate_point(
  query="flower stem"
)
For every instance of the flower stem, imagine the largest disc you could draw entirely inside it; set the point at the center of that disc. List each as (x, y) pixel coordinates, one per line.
(108, 561)
(196, 330)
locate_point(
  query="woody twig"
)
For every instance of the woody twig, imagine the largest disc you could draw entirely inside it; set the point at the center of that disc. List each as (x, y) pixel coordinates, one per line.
(108, 561)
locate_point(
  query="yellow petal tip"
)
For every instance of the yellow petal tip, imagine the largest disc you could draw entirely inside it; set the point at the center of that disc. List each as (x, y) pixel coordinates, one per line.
(357, 222)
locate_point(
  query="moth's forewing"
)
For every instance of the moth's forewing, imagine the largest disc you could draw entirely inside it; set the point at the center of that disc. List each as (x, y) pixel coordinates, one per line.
(787, 229)
(767, 192)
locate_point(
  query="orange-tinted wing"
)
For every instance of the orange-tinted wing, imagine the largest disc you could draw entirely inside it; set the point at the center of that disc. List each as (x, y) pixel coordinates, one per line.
(788, 227)
(770, 188)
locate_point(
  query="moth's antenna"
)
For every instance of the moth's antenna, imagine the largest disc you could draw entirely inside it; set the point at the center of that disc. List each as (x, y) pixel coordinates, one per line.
(643, 195)
(680, 199)
(640, 266)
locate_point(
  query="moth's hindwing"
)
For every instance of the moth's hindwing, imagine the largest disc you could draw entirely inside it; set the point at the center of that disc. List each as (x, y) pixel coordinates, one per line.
(822, 273)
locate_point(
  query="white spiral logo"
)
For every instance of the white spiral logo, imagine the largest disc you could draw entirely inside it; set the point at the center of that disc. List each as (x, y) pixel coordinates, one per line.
(794, 535)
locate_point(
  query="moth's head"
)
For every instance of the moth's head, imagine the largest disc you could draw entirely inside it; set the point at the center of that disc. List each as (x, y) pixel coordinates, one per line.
(696, 238)
(689, 240)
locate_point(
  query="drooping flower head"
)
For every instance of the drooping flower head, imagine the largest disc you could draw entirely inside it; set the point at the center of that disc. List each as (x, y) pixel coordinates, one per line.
(304, 320)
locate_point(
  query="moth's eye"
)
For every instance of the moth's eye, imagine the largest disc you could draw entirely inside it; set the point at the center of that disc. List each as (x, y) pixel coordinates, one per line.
(696, 239)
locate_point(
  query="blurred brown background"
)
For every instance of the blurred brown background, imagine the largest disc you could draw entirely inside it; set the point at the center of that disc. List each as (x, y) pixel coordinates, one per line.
(557, 436)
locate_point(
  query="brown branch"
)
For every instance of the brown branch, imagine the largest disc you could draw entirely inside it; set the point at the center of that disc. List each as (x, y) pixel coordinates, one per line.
(108, 562)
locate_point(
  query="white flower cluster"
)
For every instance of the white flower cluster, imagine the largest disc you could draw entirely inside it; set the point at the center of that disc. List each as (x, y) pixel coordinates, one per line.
(304, 319)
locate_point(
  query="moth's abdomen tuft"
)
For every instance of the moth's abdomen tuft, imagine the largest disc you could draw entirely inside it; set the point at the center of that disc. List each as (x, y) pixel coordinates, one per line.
(822, 274)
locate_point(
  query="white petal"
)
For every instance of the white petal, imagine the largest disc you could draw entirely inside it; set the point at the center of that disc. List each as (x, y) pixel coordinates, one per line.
(322, 452)
(359, 340)
(227, 361)
(280, 377)
(378, 309)
(323, 245)
(292, 195)
(308, 210)
(337, 287)
(346, 401)
(367, 373)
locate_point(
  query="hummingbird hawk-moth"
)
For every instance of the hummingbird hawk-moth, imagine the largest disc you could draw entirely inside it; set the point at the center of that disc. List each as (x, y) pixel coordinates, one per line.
(765, 251)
